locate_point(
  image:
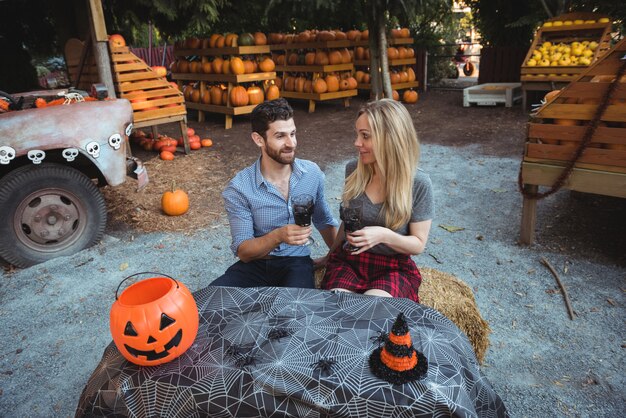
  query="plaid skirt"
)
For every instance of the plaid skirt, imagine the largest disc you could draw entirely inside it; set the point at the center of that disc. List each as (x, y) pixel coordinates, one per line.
(395, 274)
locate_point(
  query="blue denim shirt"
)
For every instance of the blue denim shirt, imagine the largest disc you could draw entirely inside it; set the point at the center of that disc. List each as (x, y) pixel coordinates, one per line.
(255, 207)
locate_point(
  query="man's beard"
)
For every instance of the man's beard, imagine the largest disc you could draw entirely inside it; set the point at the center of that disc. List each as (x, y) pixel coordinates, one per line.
(279, 157)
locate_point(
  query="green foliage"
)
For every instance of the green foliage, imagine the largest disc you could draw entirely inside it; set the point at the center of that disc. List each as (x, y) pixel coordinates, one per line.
(498, 22)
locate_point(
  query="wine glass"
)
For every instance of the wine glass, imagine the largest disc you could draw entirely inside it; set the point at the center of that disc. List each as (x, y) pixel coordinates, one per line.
(303, 206)
(351, 217)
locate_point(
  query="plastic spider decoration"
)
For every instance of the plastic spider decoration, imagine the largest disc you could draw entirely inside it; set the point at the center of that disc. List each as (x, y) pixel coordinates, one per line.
(236, 350)
(324, 365)
(381, 338)
(277, 334)
(246, 360)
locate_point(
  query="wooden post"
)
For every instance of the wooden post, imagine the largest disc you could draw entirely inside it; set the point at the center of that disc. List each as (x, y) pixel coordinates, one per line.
(100, 45)
(529, 216)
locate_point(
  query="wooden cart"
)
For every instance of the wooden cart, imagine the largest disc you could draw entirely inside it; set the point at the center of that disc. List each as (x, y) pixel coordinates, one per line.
(542, 77)
(558, 129)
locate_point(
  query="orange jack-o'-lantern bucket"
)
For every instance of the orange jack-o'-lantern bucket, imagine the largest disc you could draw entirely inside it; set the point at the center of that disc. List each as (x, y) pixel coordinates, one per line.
(154, 320)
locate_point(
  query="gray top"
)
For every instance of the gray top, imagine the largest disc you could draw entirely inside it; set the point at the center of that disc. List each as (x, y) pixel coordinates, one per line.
(423, 206)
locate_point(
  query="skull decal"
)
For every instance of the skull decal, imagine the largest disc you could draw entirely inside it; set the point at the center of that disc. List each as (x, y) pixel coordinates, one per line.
(36, 156)
(93, 149)
(70, 154)
(115, 141)
(129, 129)
(6, 154)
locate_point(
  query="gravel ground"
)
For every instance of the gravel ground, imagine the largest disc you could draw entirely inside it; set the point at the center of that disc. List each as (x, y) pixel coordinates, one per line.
(55, 315)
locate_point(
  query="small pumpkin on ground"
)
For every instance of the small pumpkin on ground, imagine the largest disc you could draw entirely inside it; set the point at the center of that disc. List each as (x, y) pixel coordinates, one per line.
(174, 202)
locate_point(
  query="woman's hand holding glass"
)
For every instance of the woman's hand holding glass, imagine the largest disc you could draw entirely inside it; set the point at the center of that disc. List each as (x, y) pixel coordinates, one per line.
(352, 221)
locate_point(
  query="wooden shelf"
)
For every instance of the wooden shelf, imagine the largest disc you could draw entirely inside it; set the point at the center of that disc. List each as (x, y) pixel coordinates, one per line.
(390, 42)
(224, 78)
(237, 50)
(392, 63)
(397, 86)
(312, 45)
(315, 68)
(226, 110)
(315, 97)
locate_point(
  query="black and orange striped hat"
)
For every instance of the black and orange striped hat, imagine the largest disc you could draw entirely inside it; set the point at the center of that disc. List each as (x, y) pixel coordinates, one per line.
(397, 361)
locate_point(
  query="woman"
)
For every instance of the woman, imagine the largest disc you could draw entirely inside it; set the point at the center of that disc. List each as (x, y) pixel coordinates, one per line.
(397, 211)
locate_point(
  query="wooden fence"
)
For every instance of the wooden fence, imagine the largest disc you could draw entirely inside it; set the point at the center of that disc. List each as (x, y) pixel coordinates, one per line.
(500, 64)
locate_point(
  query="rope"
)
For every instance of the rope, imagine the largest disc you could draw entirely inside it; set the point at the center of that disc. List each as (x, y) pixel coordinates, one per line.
(592, 125)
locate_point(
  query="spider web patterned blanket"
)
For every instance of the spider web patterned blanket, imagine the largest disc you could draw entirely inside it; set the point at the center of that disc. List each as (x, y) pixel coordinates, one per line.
(285, 352)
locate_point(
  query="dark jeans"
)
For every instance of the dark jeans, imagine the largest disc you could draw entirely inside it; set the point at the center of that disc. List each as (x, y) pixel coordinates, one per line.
(275, 271)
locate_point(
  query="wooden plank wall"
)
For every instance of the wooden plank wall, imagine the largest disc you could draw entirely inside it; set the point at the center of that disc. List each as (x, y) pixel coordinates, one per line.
(500, 64)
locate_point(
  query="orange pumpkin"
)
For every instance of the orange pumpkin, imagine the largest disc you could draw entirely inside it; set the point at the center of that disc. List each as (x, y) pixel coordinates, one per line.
(272, 92)
(255, 95)
(231, 40)
(195, 145)
(117, 40)
(159, 70)
(206, 142)
(321, 58)
(334, 57)
(183, 66)
(239, 96)
(410, 96)
(166, 155)
(267, 65)
(154, 321)
(248, 66)
(174, 202)
(217, 64)
(332, 81)
(260, 38)
(236, 66)
(352, 83)
(320, 86)
(216, 95)
(207, 67)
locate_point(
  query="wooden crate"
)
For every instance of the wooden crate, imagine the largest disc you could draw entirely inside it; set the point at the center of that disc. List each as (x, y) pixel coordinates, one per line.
(558, 127)
(490, 94)
(596, 32)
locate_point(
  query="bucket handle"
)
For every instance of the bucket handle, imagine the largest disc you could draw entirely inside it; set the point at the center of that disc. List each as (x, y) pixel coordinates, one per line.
(144, 272)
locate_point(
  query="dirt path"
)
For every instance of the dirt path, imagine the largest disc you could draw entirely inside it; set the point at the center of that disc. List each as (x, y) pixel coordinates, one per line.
(55, 315)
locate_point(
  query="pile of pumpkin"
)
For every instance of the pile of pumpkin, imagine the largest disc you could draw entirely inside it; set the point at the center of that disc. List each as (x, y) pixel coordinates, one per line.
(166, 145)
(227, 40)
(218, 65)
(239, 95)
(315, 35)
(330, 83)
(317, 57)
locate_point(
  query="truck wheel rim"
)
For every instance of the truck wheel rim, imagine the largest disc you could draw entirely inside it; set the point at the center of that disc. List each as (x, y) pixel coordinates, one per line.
(49, 220)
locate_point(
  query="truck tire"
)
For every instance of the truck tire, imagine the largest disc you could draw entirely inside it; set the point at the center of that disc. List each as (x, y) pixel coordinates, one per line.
(48, 210)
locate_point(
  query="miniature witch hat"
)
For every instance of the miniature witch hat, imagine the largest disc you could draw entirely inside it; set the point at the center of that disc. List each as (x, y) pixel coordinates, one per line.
(397, 361)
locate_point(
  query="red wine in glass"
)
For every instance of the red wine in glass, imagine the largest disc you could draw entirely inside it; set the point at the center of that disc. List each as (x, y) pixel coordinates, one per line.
(303, 206)
(351, 217)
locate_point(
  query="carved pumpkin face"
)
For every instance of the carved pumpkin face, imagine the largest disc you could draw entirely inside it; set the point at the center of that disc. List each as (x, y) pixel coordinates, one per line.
(154, 321)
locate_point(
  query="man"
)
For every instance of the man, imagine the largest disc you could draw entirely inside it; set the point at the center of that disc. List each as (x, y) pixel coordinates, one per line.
(270, 246)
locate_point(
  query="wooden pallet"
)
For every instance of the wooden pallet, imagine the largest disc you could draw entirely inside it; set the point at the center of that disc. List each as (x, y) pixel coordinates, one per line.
(154, 100)
(558, 128)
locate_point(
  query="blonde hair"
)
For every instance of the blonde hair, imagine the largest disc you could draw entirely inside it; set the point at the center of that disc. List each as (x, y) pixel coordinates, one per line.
(396, 149)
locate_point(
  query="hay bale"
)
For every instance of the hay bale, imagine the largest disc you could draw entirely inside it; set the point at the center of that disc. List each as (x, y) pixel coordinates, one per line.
(452, 298)
(455, 300)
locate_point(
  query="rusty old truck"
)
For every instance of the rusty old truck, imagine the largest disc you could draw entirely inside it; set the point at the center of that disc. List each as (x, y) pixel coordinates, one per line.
(52, 162)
